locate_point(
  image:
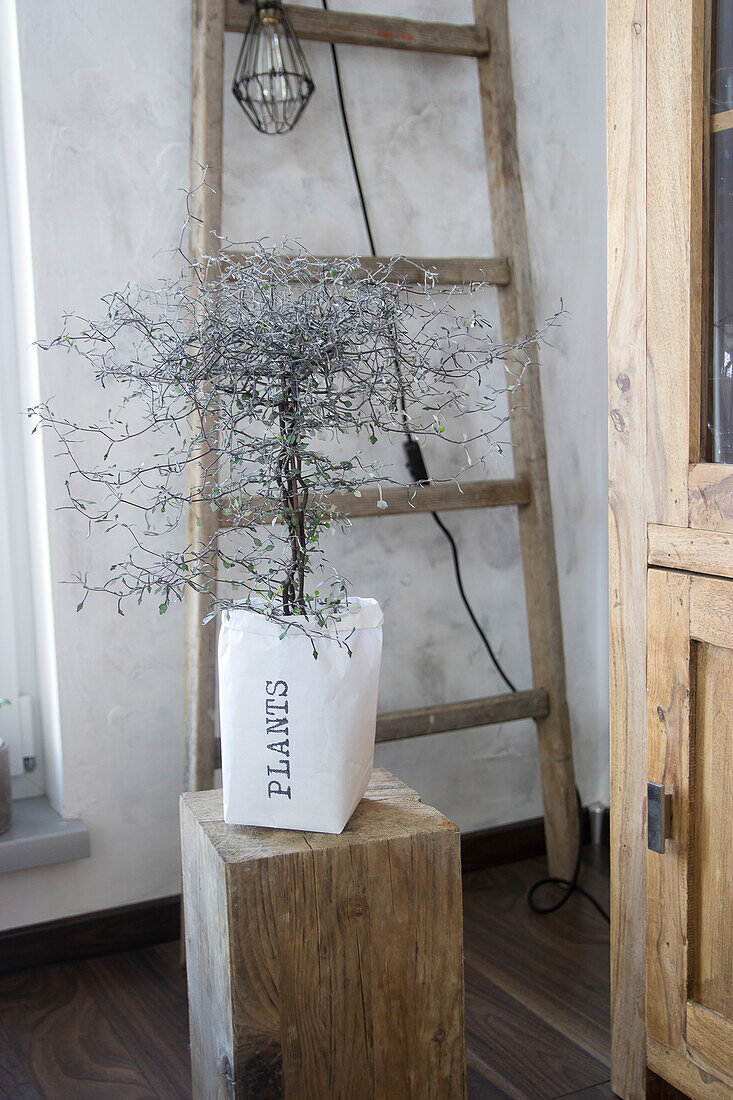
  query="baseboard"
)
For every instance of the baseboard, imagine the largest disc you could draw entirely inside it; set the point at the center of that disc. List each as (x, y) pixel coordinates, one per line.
(507, 843)
(102, 933)
(159, 921)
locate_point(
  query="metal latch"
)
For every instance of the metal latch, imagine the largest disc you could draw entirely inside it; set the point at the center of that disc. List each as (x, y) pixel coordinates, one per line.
(659, 817)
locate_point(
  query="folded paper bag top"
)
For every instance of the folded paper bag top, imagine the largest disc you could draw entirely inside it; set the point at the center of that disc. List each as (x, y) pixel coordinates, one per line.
(359, 614)
(297, 734)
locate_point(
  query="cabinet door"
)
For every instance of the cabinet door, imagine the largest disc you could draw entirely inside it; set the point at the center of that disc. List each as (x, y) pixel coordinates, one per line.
(690, 883)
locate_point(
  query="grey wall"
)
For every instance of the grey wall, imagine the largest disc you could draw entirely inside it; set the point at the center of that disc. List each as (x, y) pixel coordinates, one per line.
(106, 90)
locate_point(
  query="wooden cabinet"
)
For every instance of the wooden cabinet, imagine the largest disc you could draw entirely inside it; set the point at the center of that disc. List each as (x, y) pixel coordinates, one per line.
(689, 918)
(671, 543)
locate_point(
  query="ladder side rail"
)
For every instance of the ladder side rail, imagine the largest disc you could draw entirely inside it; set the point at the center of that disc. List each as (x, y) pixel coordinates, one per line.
(207, 84)
(516, 304)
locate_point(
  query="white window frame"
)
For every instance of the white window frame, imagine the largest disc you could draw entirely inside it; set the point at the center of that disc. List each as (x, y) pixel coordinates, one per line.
(31, 723)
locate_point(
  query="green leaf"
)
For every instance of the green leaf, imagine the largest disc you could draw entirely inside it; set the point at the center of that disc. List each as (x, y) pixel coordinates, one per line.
(79, 606)
(162, 608)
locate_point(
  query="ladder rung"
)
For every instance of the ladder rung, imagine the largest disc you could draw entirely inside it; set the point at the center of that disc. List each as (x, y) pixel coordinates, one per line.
(488, 711)
(353, 29)
(424, 498)
(449, 270)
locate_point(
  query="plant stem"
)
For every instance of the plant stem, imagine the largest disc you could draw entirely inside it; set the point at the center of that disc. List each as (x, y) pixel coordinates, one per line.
(294, 495)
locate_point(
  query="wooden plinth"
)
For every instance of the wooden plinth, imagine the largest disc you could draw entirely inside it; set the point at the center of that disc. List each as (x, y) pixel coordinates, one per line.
(325, 966)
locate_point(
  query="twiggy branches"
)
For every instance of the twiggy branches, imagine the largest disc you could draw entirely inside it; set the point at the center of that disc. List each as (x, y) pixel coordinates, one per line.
(292, 368)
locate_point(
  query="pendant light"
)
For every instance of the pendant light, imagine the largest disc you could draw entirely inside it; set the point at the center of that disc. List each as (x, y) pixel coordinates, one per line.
(272, 81)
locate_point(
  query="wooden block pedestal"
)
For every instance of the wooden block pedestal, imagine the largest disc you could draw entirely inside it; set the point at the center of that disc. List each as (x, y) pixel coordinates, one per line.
(325, 967)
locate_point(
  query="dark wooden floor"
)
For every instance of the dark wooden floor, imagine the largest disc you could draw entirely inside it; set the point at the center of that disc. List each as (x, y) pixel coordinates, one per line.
(537, 1008)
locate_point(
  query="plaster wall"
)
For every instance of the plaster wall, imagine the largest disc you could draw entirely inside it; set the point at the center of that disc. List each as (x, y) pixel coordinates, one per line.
(106, 101)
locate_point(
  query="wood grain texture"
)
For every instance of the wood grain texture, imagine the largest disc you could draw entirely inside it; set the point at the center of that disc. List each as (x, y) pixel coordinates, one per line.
(448, 270)
(516, 305)
(693, 1080)
(554, 972)
(336, 960)
(712, 915)
(486, 1083)
(15, 1082)
(143, 994)
(206, 952)
(407, 500)
(355, 29)
(690, 550)
(627, 517)
(711, 496)
(711, 611)
(70, 1047)
(689, 906)
(710, 1036)
(207, 85)
(489, 710)
(111, 1027)
(669, 764)
(500, 1033)
(674, 252)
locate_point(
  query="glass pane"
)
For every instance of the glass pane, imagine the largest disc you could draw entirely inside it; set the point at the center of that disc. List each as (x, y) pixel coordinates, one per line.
(720, 420)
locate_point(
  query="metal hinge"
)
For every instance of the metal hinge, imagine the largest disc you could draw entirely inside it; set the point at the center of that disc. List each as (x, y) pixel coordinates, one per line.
(659, 817)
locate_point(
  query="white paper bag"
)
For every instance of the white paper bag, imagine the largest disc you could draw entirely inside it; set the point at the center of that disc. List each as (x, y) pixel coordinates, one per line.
(297, 734)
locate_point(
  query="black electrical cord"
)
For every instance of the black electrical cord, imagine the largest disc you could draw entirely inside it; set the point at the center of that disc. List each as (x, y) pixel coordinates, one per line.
(569, 887)
(466, 604)
(349, 142)
(418, 472)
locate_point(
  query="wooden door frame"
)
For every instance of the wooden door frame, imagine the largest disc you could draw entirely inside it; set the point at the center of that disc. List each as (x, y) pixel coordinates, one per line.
(627, 518)
(664, 501)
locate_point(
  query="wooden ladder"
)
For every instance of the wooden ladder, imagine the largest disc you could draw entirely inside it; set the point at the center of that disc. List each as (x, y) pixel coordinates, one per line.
(487, 40)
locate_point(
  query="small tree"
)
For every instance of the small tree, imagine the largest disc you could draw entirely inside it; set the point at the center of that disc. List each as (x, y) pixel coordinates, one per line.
(277, 375)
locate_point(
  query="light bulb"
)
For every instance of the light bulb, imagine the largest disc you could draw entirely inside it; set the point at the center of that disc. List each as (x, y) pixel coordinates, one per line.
(272, 81)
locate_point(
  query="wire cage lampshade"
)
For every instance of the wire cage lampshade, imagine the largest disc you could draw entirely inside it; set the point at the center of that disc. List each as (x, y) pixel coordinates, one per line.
(272, 81)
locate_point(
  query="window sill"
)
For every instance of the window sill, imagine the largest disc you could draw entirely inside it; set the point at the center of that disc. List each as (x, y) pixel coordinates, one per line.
(38, 836)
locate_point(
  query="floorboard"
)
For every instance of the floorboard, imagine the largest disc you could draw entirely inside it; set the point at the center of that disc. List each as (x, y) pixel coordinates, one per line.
(15, 1084)
(595, 1092)
(65, 1042)
(537, 1058)
(555, 966)
(144, 992)
(485, 1082)
(537, 993)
